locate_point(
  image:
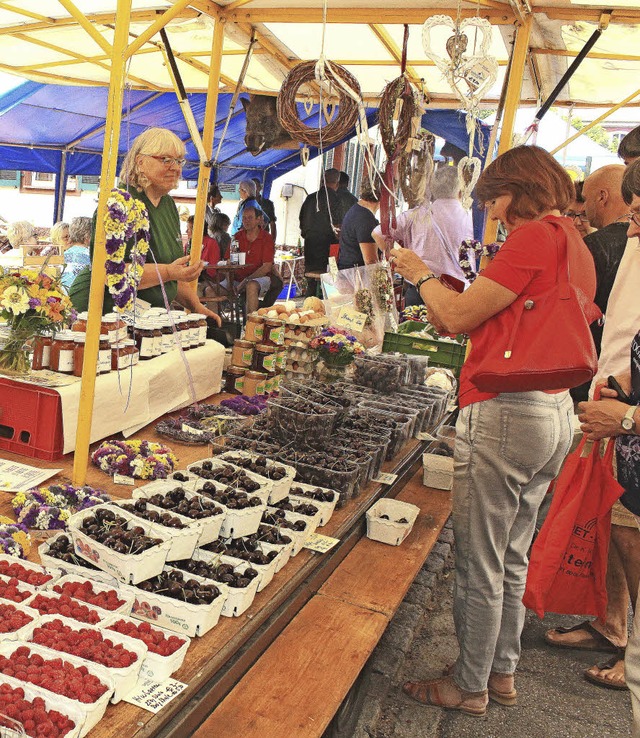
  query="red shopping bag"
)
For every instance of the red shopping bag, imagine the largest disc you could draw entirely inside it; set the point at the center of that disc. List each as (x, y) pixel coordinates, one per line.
(568, 562)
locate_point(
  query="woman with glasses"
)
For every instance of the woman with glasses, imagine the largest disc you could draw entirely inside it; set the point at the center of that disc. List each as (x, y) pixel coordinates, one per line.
(247, 192)
(150, 170)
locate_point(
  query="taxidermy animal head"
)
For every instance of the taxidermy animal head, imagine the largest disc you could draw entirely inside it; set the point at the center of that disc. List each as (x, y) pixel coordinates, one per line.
(263, 127)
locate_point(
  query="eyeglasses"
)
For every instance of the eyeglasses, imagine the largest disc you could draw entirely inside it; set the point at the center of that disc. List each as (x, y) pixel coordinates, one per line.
(580, 216)
(168, 160)
(634, 218)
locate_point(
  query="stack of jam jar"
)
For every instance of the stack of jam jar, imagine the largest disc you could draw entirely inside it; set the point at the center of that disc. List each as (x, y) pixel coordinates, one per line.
(257, 360)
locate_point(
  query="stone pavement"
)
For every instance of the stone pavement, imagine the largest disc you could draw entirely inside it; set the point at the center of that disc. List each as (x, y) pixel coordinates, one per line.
(554, 700)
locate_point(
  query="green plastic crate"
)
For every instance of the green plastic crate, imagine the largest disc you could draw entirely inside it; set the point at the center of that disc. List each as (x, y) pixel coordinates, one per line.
(441, 353)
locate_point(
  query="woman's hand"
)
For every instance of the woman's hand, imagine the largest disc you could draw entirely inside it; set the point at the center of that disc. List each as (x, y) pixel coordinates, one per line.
(202, 310)
(601, 418)
(181, 271)
(408, 264)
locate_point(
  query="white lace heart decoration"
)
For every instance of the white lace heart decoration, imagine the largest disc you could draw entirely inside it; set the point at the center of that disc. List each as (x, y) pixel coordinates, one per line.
(469, 77)
(469, 169)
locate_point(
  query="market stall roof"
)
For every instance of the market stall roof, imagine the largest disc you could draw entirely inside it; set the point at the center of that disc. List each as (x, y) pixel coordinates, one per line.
(51, 41)
(38, 122)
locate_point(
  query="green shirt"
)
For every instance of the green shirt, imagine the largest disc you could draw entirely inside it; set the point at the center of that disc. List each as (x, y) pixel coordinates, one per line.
(165, 243)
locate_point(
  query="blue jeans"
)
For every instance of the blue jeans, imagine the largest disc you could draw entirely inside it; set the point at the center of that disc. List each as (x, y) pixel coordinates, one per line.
(508, 449)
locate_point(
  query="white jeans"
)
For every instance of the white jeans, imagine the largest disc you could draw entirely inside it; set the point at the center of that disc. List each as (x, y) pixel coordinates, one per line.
(508, 449)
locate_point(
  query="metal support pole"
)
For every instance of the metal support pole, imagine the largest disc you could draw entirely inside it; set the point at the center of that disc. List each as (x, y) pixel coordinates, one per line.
(61, 189)
(98, 268)
(207, 139)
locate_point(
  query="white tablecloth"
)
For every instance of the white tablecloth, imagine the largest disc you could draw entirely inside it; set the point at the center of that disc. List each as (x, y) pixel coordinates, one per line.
(158, 386)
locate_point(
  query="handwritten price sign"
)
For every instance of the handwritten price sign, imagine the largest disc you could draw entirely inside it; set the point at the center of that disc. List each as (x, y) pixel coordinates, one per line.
(153, 696)
(351, 320)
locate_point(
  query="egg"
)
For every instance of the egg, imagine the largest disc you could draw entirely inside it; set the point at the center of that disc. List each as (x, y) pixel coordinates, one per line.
(272, 314)
(294, 318)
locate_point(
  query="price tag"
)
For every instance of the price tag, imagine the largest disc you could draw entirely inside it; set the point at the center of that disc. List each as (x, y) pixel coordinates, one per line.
(124, 479)
(320, 544)
(351, 319)
(425, 437)
(153, 696)
(333, 267)
(385, 478)
(189, 429)
(141, 306)
(398, 109)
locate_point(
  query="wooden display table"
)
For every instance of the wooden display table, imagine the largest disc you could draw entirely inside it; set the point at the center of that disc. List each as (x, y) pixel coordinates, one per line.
(216, 662)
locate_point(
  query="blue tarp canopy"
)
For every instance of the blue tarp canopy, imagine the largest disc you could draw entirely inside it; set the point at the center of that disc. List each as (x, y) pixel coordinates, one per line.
(38, 122)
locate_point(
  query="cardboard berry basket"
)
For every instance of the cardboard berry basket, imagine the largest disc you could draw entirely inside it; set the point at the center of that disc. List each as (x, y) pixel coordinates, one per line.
(285, 550)
(124, 678)
(52, 572)
(266, 485)
(176, 615)
(183, 540)
(97, 575)
(236, 523)
(210, 526)
(102, 614)
(16, 635)
(31, 692)
(390, 530)
(130, 568)
(155, 666)
(22, 588)
(266, 571)
(93, 711)
(280, 487)
(325, 508)
(127, 597)
(310, 520)
(239, 599)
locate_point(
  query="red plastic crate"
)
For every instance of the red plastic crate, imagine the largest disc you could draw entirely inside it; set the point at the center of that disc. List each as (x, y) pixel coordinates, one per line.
(30, 420)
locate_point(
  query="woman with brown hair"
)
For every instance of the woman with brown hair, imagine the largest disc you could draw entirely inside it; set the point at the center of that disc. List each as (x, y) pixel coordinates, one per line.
(509, 446)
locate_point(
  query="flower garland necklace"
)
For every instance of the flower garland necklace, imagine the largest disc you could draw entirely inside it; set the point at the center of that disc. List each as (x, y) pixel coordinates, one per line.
(49, 508)
(14, 538)
(489, 250)
(126, 218)
(141, 459)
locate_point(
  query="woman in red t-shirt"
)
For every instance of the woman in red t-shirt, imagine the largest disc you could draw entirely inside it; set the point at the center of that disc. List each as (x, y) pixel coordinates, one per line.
(509, 446)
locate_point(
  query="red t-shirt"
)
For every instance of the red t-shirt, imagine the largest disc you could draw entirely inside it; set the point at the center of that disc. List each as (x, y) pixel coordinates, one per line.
(210, 253)
(526, 263)
(259, 252)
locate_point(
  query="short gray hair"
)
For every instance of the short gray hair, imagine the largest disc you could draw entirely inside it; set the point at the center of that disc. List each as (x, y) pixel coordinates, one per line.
(20, 232)
(249, 186)
(55, 234)
(80, 230)
(153, 141)
(445, 184)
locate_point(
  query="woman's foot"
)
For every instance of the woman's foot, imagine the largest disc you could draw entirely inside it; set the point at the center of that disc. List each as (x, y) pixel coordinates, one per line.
(502, 689)
(444, 692)
(609, 675)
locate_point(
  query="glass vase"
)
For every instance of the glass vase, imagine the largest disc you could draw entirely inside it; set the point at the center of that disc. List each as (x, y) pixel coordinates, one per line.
(331, 373)
(14, 355)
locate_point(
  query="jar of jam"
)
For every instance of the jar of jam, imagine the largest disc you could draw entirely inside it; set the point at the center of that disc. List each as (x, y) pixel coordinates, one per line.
(104, 355)
(273, 334)
(254, 383)
(123, 355)
(62, 349)
(109, 327)
(254, 330)
(80, 323)
(194, 329)
(264, 358)
(242, 353)
(268, 385)
(182, 324)
(281, 359)
(202, 330)
(144, 339)
(234, 380)
(156, 325)
(277, 378)
(41, 352)
(167, 334)
(78, 353)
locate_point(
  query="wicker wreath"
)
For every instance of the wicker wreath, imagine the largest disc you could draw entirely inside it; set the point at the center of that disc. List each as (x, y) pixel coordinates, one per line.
(336, 129)
(398, 89)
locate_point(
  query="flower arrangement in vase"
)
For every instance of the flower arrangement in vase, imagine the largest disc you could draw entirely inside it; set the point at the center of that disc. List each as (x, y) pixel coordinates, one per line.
(336, 350)
(32, 303)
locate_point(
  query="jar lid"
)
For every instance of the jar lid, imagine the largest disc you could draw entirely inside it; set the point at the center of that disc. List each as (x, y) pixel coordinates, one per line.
(79, 337)
(82, 316)
(264, 349)
(123, 344)
(242, 344)
(237, 370)
(109, 318)
(255, 375)
(65, 335)
(193, 317)
(254, 317)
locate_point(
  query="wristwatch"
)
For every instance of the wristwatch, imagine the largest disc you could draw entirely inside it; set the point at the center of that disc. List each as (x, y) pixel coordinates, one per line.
(628, 423)
(422, 280)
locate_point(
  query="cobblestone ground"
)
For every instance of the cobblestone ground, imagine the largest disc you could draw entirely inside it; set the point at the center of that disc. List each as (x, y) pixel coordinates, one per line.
(554, 700)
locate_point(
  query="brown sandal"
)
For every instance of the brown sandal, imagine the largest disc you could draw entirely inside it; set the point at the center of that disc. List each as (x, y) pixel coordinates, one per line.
(596, 642)
(431, 692)
(507, 698)
(602, 680)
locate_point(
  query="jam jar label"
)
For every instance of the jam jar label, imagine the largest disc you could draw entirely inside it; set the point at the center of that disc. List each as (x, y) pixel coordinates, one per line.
(46, 356)
(256, 332)
(276, 334)
(247, 357)
(269, 363)
(124, 361)
(239, 384)
(147, 346)
(65, 360)
(104, 360)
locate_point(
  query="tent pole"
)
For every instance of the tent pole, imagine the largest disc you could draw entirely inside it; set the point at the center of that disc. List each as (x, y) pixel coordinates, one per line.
(61, 189)
(595, 122)
(98, 268)
(512, 101)
(207, 139)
